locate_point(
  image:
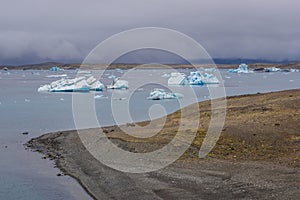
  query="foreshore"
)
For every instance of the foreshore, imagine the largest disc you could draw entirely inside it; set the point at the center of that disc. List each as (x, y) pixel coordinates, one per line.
(256, 157)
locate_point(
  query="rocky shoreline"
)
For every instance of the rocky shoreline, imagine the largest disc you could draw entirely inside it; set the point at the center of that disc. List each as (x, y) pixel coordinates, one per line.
(256, 157)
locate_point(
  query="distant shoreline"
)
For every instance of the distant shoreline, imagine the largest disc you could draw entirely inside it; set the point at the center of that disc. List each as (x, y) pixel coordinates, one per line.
(257, 155)
(47, 66)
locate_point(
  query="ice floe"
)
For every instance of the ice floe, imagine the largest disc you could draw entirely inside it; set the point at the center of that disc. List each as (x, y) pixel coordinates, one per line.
(84, 72)
(160, 94)
(243, 68)
(57, 76)
(275, 69)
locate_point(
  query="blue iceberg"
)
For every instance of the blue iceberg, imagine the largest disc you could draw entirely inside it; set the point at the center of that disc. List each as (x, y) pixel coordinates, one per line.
(195, 78)
(55, 69)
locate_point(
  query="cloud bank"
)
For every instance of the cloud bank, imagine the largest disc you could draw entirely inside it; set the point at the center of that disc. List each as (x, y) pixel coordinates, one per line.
(67, 30)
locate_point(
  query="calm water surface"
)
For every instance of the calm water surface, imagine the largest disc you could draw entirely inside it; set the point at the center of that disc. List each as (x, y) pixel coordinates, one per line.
(24, 175)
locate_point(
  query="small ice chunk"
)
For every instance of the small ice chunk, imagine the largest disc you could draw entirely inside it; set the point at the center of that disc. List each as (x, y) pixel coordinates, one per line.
(165, 76)
(100, 97)
(62, 99)
(27, 100)
(112, 77)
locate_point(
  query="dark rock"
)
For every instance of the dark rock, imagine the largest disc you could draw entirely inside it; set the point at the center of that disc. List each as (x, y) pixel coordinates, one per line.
(105, 131)
(259, 69)
(25, 133)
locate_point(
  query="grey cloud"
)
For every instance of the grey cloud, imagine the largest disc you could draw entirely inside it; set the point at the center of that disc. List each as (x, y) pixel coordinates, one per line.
(67, 30)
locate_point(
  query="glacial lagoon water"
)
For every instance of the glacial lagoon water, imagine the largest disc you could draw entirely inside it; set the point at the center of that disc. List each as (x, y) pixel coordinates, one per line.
(24, 175)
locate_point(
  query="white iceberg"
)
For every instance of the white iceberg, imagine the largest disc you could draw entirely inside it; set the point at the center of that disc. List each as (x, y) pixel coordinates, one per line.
(160, 94)
(272, 69)
(118, 84)
(57, 76)
(243, 68)
(79, 84)
(177, 79)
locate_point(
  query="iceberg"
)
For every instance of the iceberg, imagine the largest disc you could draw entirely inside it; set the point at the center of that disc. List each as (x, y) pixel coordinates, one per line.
(118, 84)
(160, 94)
(79, 84)
(55, 69)
(177, 79)
(243, 68)
(272, 69)
(195, 78)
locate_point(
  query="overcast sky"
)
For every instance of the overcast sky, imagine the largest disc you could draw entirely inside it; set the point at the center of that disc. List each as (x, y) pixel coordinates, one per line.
(67, 30)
